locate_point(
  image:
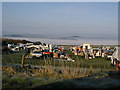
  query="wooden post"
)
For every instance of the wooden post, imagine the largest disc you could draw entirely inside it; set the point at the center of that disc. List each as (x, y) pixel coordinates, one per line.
(23, 59)
(91, 69)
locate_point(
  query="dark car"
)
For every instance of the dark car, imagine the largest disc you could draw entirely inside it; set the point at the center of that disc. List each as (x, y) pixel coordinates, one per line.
(46, 53)
(108, 54)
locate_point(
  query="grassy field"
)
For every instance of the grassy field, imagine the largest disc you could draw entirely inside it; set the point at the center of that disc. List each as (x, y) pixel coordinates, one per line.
(99, 62)
(54, 71)
(81, 62)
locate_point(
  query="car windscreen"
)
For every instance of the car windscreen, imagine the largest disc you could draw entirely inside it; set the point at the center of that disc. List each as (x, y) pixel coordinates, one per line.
(109, 52)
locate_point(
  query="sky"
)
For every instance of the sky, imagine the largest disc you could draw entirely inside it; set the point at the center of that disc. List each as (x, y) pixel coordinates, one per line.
(90, 19)
(0, 19)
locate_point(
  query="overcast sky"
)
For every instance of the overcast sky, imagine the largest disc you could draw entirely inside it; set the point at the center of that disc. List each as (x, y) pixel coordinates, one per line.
(75, 18)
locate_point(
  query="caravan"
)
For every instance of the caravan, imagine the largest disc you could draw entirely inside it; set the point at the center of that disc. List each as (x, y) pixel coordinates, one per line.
(115, 59)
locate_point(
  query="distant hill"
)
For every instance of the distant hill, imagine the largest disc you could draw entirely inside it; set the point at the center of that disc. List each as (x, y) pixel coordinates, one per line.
(49, 36)
(71, 37)
(12, 35)
(29, 36)
(13, 41)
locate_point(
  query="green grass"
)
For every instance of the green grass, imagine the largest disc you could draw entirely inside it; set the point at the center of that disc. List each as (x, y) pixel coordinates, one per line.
(80, 68)
(79, 62)
(84, 66)
(26, 81)
(12, 58)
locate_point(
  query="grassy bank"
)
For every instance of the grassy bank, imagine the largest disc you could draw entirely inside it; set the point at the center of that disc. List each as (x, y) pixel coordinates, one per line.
(100, 80)
(26, 81)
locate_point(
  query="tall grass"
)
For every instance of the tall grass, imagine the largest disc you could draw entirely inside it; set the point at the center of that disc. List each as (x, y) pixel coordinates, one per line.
(81, 67)
(68, 69)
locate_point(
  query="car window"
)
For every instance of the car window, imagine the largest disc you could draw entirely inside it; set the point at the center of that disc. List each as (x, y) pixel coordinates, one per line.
(37, 52)
(45, 51)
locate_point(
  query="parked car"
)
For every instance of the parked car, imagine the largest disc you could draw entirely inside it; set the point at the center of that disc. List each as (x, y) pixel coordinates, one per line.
(36, 54)
(46, 53)
(62, 55)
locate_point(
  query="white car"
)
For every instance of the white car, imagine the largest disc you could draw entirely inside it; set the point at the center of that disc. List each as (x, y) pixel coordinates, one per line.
(36, 54)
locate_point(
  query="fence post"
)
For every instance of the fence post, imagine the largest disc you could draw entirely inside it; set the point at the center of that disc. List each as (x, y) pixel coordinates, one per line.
(91, 69)
(23, 59)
